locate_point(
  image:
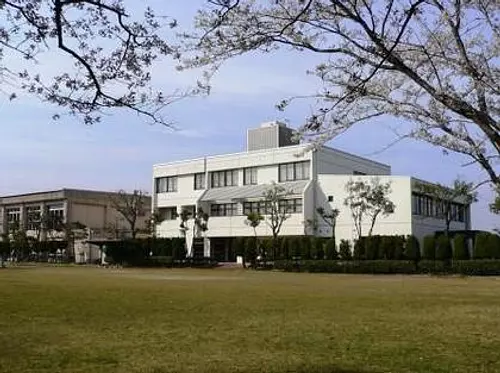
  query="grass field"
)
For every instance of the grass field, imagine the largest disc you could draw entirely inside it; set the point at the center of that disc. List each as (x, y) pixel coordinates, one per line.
(161, 321)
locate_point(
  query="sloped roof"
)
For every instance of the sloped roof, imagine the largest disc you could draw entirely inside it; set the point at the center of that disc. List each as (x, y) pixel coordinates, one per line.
(249, 191)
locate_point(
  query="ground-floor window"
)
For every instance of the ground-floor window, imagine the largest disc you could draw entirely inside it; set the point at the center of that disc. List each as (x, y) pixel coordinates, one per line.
(223, 209)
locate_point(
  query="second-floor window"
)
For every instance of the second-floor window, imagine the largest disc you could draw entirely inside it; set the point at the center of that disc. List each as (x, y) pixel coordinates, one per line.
(13, 214)
(199, 181)
(224, 178)
(294, 171)
(250, 176)
(223, 209)
(166, 184)
(34, 217)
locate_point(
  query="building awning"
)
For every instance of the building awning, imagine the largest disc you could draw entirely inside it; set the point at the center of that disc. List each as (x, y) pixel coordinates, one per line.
(229, 194)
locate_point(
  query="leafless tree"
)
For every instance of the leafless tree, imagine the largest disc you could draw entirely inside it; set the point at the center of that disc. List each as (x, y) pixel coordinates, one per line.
(131, 206)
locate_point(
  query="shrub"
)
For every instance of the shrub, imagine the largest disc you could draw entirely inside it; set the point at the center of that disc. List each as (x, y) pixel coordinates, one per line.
(460, 250)
(296, 247)
(160, 261)
(359, 249)
(477, 267)
(251, 250)
(239, 246)
(433, 267)
(372, 245)
(429, 248)
(480, 246)
(284, 248)
(345, 250)
(330, 250)
(443, 248)
(399, 247)
(266, 248)
(387, 247)
(317, 250)
(179, 251)
(493, 246)
(412, 249)
(306, 248)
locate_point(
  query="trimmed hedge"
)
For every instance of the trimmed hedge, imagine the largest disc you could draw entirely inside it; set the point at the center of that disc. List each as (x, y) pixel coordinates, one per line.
(353, 267)
(460, 249)
(433, 267)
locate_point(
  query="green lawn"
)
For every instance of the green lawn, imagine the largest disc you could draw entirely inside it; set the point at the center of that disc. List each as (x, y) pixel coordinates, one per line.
(161, 321)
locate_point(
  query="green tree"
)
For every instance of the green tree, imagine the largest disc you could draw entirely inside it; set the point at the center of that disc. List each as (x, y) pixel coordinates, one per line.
(443, 248)
(105, 52)
(285, 248)
(481, 246)
(429, 248)
(387, 247)
(331, 250)
(368, 199)
(4, 249)
(251, 251)
(416, 61)
(306, 248)
(493, 246)
(345, 250)
(240, 249)
(372, 247)
(460, 249)
(253, 220)
(296, 247)
(412, 249)
(359, 249)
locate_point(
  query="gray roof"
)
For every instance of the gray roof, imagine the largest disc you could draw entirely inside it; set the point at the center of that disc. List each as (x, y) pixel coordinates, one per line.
(249, 191)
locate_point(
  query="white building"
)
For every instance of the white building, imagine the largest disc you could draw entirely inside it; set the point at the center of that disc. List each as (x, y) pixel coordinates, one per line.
(228, 186)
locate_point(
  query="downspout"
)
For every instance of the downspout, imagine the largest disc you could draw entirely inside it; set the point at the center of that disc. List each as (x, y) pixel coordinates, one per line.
(314, 177)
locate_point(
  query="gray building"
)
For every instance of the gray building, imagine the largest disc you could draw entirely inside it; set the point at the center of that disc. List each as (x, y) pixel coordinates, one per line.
(38, 213)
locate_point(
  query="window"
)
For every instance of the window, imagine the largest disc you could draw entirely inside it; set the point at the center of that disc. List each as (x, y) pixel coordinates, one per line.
(223, 209)
(290, 206)
(428, 206)
(258, 207)
(55, 215)
(34, 217)
(199, 181)
(224, 178)
(13, 214)
(166, 184)
(330, 198)
(294, 171)
(358, 173)
(168, 213)
(250, 176)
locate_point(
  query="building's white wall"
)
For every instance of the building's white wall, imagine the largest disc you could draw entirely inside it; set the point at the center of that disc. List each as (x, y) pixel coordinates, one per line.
(331, 161)
(398, 223)
(308, 207)
(267, 174)
(185, 195)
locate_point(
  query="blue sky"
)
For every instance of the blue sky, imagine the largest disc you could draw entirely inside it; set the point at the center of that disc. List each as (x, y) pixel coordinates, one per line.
(118, 153)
